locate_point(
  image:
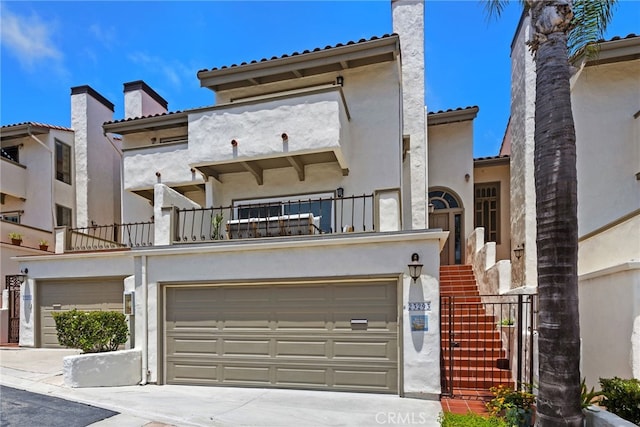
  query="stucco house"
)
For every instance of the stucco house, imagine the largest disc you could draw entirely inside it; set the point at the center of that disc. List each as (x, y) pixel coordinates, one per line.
(269, 240)
(605, 95)
(45, 184)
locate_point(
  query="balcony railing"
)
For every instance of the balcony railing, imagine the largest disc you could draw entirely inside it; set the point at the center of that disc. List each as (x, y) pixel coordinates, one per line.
(113, 236)
(276, 219)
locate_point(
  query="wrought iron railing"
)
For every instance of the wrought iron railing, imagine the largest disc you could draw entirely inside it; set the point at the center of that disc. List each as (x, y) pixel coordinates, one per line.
(113, 236)
(487, 341)
(273, 219)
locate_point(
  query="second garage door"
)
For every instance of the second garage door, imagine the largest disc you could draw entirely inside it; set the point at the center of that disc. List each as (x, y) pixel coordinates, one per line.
(63, 296)
(338, 336)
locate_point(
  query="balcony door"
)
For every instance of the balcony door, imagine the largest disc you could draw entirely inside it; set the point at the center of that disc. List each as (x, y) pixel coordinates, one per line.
(448, 215)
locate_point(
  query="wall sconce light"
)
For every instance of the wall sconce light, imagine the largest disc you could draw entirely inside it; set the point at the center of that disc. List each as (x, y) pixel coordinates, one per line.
(415, 268)
(340, 192)
(285, 137)
(234, 143)
(340, 81)
(432, 208)
(519, 251)
(20, 278)
(467, 177)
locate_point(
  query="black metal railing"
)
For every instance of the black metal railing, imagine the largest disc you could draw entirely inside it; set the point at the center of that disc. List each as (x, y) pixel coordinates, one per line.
(272, 219)
(112, 236)
(487, 341)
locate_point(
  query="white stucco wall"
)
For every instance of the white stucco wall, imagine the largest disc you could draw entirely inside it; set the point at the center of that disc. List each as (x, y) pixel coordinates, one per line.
(609, 313)
(604, 101)
(408, 22)
(522, 125)
(381, 255)
(138, 103)
(311, 121)
(109, 369)
(610, 247)
(451, 151)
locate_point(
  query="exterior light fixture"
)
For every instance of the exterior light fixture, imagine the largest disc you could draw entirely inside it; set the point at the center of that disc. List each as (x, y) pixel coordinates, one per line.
(340, 192)
(234, 143)
(285, 137)
(20, 278)
(432, 208)
(340, 81)
(415, 268)
(519, 251)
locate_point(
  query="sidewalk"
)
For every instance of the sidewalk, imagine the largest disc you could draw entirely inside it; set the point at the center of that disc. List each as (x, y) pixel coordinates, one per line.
(40, 371)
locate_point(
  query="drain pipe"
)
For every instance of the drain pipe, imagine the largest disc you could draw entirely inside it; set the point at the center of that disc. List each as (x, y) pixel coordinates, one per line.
(145, 315)
(53, 171)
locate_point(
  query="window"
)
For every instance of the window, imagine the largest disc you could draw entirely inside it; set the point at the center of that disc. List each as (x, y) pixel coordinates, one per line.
(320, 205)
(487, 211)
(63, 162)
(11, 153)
(63, 216)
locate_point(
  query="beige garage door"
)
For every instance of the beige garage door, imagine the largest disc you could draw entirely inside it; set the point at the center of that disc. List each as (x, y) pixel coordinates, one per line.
(316, 336)
(63, 296)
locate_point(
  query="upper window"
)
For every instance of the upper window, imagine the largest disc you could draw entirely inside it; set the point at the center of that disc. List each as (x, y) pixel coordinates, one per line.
(63, 162)
(487, 210)
(319, 205)
(63, 216)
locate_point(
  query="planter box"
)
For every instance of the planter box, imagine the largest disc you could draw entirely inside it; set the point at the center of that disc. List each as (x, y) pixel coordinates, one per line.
(109, 369)
(597, 417)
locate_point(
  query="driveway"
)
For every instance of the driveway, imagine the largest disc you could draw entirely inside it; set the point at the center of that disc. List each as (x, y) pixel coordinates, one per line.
(26, 369)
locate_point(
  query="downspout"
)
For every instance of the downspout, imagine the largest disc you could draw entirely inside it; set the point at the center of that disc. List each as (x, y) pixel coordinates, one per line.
(54, 221)
(145, 315)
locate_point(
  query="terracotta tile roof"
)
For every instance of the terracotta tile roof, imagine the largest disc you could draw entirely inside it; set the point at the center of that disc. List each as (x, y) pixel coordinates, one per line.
(503, 156)
(169, 113)
(615, 38)
(42, 125)
(471, 107)
(317, 49)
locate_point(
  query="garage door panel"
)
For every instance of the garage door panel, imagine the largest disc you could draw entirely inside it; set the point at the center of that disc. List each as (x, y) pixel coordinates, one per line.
(103, 295)
(301, 336)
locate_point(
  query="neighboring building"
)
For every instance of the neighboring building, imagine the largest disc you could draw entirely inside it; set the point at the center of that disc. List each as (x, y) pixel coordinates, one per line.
(605, 94)
(45, 183)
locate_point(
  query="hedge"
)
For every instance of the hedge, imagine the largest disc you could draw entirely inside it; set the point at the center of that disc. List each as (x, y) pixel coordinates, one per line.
(91, 331)
(622, 397)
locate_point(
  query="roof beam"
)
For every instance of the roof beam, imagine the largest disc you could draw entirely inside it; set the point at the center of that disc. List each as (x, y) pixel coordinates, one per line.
(298, 166)
(255, 170)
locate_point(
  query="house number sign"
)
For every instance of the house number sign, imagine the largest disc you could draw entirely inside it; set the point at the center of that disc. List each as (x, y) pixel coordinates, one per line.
(420, 306)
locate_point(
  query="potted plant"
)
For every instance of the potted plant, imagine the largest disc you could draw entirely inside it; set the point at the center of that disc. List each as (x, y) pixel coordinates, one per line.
(44, 245)
(16, 238)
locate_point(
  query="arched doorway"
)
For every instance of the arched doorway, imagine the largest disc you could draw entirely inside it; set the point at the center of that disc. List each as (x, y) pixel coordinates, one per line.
(448, 215)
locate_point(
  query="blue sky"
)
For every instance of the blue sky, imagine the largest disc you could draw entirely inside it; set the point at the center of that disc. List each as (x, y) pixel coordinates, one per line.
(49, 46)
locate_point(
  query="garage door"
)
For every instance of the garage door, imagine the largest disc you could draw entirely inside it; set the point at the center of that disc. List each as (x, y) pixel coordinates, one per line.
(64, 296)
(317, 336)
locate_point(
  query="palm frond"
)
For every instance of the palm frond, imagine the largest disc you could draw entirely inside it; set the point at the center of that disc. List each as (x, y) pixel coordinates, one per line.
(494, 8)
(590, 21)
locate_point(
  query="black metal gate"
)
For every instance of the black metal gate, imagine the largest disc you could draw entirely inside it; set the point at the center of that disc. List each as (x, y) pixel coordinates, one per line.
(13, 286)
(486, 341)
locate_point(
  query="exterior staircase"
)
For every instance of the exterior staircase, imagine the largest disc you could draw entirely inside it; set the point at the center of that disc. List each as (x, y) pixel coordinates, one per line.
(470, 339)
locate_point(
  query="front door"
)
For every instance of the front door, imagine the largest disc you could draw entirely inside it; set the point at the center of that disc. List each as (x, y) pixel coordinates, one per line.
(441, 220)
(13, 286)
(448, 215)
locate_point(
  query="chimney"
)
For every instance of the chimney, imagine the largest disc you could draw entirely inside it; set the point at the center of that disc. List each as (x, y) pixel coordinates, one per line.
(96, 162)
(408, 23)
(140, 100)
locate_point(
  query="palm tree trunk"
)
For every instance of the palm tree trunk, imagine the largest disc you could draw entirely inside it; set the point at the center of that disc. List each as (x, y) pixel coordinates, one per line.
(558, 402)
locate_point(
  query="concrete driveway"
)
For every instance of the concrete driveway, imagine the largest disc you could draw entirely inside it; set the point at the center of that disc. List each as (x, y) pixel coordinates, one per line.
(40, 371)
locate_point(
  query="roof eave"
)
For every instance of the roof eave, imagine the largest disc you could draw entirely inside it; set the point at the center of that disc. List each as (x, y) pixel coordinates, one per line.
(305, 64)
(147, 123)
(452, 116)
(626, 49)
(23, 130)
(491, 161)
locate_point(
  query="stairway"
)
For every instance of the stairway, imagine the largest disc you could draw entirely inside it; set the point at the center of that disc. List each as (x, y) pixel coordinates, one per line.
(472, 368)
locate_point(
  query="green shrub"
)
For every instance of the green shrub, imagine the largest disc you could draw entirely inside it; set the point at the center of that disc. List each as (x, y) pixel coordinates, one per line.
(470, 419)
(91, 331)
(622, 397)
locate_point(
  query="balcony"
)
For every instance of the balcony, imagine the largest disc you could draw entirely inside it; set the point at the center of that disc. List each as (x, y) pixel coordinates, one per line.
(288, 130)
(285, 218)
(106, 237)
(13, 177)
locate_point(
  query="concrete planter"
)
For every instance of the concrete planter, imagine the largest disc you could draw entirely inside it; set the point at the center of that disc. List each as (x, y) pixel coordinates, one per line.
(109, 369)
(598, 417)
